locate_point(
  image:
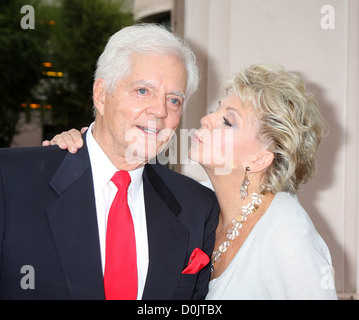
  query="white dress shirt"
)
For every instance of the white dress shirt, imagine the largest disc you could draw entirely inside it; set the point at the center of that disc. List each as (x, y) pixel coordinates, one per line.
(105, 191)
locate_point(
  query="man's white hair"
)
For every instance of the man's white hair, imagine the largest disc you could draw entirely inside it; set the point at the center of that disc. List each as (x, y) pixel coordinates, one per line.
(147, 39)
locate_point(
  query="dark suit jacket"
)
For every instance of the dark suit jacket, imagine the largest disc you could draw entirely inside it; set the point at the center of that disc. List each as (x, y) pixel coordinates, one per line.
(48, 221)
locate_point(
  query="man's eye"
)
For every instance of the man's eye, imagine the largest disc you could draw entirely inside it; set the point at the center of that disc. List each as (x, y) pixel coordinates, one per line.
(175, 101)
(142, 91)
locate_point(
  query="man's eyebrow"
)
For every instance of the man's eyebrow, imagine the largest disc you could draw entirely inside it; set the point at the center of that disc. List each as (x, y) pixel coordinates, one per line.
(178, 93)
(144, 83)
(149, 84)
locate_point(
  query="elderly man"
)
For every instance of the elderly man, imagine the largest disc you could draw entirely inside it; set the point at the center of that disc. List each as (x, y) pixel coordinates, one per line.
(104, 223)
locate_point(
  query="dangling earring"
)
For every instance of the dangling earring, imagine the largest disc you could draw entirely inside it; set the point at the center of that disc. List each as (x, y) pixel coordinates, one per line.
(245, 184)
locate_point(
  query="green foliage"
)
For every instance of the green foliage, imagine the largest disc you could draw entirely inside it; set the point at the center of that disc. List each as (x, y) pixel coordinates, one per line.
(72, 43)
(80, 37)
(21, 53)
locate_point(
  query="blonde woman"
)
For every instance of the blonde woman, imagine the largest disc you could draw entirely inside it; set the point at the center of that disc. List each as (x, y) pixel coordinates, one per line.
(266, 245)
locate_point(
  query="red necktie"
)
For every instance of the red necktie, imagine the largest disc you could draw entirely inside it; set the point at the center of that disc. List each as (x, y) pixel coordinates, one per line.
(120, 278)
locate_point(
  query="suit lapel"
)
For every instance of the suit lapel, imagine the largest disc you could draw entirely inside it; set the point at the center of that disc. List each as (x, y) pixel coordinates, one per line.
(73, 222)
(167, 238)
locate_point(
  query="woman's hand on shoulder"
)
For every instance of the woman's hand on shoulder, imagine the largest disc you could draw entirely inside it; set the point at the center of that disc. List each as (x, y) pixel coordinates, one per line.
(71, 140)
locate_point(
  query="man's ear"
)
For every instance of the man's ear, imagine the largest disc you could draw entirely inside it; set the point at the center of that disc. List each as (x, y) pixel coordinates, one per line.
(99, 95)
(263, 161)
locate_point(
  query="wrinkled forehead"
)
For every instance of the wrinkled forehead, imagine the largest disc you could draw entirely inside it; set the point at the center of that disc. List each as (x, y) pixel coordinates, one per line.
(154, 70)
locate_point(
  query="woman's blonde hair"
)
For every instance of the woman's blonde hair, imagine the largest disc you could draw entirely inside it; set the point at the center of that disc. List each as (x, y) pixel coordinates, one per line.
(292, 126)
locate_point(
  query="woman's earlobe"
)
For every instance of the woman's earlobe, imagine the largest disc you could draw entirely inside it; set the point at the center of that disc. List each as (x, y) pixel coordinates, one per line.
(264, 160)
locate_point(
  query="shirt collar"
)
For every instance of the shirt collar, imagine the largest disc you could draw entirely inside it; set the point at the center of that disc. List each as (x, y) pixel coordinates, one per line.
(136, 183)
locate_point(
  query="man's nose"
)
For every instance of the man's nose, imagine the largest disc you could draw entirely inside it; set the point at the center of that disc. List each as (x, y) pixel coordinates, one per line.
(158, 107)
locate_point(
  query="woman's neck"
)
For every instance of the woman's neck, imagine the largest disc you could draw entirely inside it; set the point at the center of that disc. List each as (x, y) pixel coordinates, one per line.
(227, 188)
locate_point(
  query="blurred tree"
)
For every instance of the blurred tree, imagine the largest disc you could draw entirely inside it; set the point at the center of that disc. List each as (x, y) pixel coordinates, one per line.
(78, 40)
(21, 54)
(69, 34)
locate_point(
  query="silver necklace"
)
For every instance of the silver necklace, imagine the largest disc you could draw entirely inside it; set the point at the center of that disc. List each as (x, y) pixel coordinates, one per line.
(237, 223)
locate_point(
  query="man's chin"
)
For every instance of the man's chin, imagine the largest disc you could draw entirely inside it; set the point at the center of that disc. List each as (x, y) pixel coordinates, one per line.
(140, 159)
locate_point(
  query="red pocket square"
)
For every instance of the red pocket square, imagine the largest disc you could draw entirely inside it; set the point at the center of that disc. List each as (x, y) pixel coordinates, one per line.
(197, 262)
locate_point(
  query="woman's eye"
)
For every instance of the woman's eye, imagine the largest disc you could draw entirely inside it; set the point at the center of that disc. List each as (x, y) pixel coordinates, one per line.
(226, 123)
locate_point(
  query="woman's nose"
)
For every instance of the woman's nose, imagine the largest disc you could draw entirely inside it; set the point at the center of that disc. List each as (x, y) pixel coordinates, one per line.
(205, 122)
